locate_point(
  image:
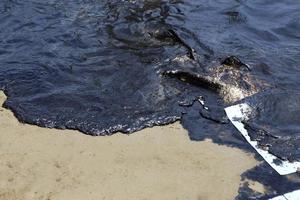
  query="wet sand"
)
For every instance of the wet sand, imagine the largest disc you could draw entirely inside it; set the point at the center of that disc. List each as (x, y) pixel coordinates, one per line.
(155, 163)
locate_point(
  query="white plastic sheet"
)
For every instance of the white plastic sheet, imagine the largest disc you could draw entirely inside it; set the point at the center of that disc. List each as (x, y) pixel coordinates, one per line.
(295, 195)
(237, 114)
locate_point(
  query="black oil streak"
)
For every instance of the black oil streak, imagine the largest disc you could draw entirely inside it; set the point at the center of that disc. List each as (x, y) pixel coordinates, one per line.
(107, 66)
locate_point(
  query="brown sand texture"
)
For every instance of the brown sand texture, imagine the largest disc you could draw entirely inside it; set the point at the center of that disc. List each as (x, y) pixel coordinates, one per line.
(159, 163)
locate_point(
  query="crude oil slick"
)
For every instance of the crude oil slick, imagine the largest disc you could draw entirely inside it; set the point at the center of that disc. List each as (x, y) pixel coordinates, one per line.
(107, 66)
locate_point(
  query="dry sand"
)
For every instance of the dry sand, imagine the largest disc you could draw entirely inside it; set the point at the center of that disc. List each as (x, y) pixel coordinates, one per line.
(156, 163)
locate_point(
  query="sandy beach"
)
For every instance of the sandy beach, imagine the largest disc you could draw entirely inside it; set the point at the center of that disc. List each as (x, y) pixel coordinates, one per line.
(155, 163)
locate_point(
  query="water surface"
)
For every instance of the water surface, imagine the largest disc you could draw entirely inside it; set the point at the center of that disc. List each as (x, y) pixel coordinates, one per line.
(98, 66)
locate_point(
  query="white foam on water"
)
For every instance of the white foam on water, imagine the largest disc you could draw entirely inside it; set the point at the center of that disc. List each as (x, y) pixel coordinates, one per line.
(236, 115)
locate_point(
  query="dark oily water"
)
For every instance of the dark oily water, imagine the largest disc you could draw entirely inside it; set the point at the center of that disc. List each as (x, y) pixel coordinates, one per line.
(102, 66)
(275, 122)
(95, 65)
(107, 66)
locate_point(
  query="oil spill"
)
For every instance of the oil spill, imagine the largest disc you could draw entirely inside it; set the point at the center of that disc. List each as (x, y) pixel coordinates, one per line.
(107, 66)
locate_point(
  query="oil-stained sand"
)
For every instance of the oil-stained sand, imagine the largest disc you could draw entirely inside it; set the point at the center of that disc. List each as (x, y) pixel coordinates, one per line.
(156, 163)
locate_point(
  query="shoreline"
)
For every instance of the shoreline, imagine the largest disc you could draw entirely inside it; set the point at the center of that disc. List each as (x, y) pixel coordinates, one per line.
(154, 163)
